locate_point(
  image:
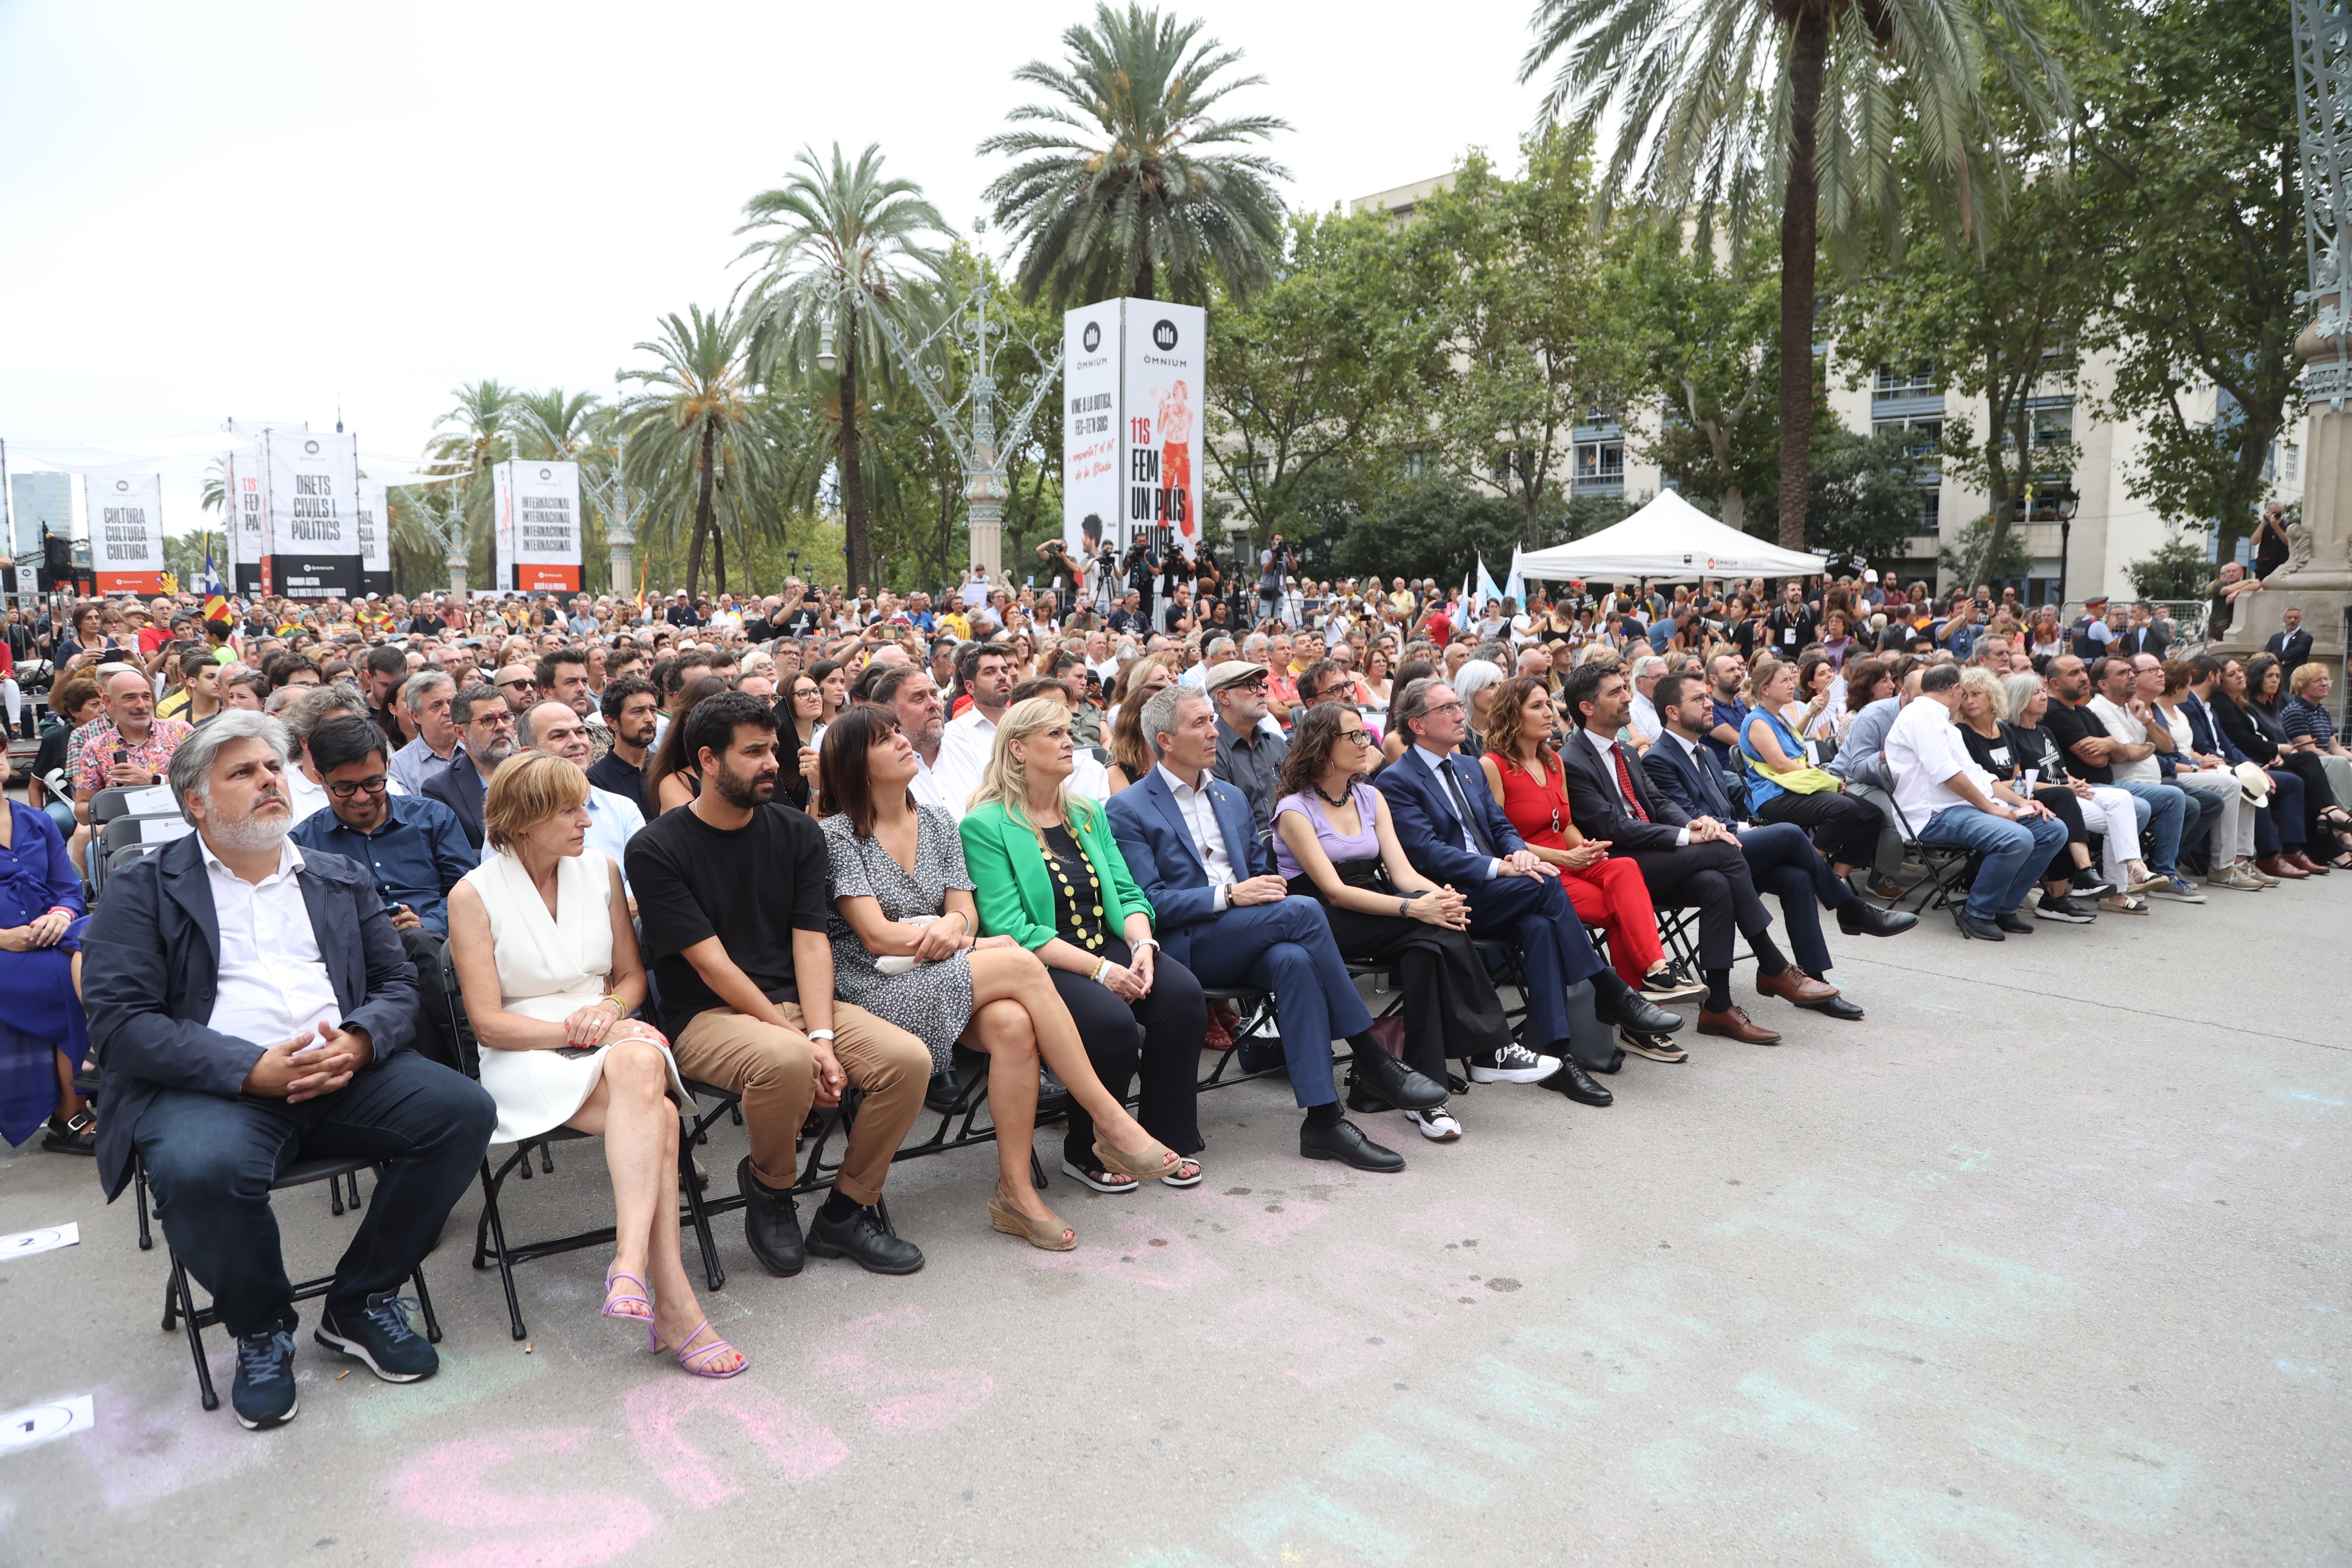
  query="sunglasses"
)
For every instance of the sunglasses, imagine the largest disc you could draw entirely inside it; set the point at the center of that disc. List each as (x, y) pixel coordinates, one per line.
(525, 684)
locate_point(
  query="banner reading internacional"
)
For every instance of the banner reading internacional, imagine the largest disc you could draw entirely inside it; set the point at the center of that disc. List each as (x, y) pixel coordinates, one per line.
(126, 532)
(313, 514)
(1091, 508)
(537, 507)
(374, 516)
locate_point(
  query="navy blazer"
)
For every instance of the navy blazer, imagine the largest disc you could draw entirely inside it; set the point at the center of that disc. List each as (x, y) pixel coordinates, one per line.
(2205, 734)
(1158, 843)
(1693, 783)
(1598, 806)
(460, 787)
(2292, 647)
(151, 960)
(1430, 830)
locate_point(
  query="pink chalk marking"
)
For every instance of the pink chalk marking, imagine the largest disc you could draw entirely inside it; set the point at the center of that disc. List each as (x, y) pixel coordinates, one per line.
(142, 1453)
(798, 1449)
(1147, 1252)
(447, 1486)
(900, 1400)
(1245, 1219)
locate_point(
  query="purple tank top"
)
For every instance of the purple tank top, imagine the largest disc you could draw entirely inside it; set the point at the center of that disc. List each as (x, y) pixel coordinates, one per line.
(1341, 847)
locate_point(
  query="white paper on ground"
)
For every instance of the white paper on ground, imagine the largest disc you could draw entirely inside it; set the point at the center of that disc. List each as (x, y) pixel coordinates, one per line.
(26, 1243)
(39, 1423)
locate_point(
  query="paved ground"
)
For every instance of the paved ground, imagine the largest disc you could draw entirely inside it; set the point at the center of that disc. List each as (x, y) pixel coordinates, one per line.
(2045, 1263)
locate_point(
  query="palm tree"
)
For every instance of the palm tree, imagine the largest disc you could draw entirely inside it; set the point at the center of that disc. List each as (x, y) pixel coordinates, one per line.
(1726, 103)
(555, 424)
(698, 428)
(475, 432)
(1113, 193)
(847, 248)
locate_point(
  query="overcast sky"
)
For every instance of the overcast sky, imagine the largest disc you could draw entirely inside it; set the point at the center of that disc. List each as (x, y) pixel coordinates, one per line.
(267, 209)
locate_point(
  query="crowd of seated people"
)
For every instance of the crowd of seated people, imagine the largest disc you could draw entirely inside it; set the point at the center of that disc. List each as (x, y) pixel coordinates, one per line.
(662, 856)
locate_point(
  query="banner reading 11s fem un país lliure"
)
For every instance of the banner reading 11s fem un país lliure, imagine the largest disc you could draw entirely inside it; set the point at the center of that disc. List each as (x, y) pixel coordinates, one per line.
(126, 532)
(1131, 379)
(537, 508)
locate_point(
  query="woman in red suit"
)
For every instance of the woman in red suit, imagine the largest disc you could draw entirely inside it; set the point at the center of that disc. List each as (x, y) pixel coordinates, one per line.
(1524, 774)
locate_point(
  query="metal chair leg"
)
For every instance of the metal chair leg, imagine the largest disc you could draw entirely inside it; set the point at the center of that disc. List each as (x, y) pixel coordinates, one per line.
(196, 1336)
(139, 1191)
(699, 1217)
(425, 1303)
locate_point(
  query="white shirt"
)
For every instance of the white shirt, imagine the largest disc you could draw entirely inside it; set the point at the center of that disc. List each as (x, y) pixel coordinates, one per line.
(1922, 750)
(1605, 746)
(1435, 763)
(1200, 815)
(1645, 717)
(964, 751)
(2124, 727)
(927, 790)
(273, 980)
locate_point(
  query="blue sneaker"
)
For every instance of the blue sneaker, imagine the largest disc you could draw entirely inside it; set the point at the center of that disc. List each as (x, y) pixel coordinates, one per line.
(264, 1393)
(2177, 889)
(378, 1333)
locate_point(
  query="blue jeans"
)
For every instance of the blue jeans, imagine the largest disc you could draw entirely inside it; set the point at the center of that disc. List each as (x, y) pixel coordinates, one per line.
(211, 1160)
(2014, 853)
(2168, 812)
(1287, 949)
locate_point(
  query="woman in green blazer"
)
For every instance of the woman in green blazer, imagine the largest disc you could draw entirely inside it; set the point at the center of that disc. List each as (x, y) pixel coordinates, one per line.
(1050, 876)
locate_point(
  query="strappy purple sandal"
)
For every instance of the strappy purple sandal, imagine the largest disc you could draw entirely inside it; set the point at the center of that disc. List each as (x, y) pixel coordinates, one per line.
(612, 1301)
(688, 1359)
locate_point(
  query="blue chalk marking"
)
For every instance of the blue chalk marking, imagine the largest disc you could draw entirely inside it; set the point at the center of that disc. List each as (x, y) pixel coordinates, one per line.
(2292, 1370)
(1861, 1361)
(1376, 1456)
(1298, 1507)
(1951, 1307)
(2118, 1479)
(1778, 1414)
(1900, 1524)
(1621, 1371)
(1463, 1430)
(2314, 1099)
(1523, 1396)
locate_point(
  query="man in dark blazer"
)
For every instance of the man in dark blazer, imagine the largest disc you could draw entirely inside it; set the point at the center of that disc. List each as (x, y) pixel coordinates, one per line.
(249, 1007)
(1452, 830)
(2145, 635)
(1687, 860)
(486, 727)
(1223, 914)
(1781, 859)
(2292, 645)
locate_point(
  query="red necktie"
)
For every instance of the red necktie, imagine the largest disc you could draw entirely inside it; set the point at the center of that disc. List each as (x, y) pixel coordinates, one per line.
(1625, 782)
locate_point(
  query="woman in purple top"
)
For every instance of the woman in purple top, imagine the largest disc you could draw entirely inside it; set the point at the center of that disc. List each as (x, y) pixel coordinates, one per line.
(1333, 840)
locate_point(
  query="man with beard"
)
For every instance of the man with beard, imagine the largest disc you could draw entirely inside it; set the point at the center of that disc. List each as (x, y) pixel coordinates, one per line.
(914, 697)
(252, 1008)
(486, 725)
(733, 893)
(986, 675)
(631, 710)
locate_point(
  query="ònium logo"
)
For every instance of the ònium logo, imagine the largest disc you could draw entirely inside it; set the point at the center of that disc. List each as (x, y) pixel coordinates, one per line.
(122, 484)
(1163, 334)
(546, 473)
(311, 448)
(1092, 337)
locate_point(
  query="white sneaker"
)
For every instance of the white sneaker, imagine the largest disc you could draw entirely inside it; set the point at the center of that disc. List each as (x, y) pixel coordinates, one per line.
(1513, 1063)
(1436, 1124)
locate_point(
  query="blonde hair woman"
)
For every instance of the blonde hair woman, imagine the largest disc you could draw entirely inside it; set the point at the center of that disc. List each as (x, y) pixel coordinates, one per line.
(1048, 874)
(549, 965)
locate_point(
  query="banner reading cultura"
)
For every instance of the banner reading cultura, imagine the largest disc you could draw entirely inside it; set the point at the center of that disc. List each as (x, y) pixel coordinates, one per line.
(126, 532)
(313, 514)
(537, 508)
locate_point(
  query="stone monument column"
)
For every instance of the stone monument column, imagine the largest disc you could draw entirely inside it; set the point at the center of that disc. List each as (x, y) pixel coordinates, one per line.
(2317, 576)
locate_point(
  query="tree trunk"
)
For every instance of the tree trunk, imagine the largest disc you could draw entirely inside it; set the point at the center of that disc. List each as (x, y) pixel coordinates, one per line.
(718, 558)
(1800, 222)
(1733, 504)
(701, 513)
(852, 478)
(1145, 283)
(2005, 492)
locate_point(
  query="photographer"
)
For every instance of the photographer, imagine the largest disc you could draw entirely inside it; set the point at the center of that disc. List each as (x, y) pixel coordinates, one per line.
(1274, 563)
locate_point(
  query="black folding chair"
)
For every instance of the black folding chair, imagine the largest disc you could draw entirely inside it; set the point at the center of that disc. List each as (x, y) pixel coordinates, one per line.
(490, 1232)
(180, 1308)
(1947, 870)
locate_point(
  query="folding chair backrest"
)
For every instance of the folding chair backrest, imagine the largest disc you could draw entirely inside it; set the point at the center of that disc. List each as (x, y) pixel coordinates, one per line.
(108, 803)
(123, 857)
(158, 829)
(460, 1028)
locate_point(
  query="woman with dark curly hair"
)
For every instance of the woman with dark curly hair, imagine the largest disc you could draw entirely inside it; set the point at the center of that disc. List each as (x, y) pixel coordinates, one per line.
(1334, 842)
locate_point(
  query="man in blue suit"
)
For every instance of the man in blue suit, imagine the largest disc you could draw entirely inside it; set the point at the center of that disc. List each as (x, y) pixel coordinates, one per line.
(1223, 914)
(249, 1007)
(1781, 859)
(1451, 829)
(487, 728)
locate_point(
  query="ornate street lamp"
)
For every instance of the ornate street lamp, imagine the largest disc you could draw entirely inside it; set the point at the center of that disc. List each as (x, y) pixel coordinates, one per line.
(2064, 501)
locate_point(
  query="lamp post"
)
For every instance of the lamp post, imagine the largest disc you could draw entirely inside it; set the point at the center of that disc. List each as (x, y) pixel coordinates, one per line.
(2064, 500)
(969, 423)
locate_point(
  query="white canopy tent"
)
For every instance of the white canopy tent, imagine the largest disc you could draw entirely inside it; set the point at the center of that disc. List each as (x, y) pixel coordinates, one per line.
(1667, 540)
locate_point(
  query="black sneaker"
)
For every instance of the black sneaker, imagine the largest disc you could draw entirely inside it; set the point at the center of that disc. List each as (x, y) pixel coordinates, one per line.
(378, 1333)
(2059, 907)
(1655, 1048)
(866, 1241)
(1672, 983)
(2089, 884)
(264, 1393)
(2013, 923)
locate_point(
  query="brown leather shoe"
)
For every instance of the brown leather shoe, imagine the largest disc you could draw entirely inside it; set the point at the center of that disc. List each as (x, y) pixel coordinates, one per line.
(1793, 985)
(1733, 1023)
(2305, 864)
(2278, 865)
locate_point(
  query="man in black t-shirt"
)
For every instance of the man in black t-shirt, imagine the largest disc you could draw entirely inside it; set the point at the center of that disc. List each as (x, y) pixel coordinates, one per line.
(1792, 626)
(732, 891)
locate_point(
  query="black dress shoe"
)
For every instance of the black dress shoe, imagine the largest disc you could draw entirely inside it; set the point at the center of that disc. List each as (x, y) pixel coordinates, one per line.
(2013, 923)
(772, 1223)
(1577, 1084)
(1362, 1100)
(1390, 1079)
(1630, 1010)
(1346, 1143)
(1859, 919)
(1834, 1007)
(939, 1094)
(1616, 1062)
(866, 1241)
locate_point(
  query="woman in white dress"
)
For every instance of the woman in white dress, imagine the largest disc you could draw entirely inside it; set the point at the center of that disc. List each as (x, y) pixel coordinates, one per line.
(550, 971)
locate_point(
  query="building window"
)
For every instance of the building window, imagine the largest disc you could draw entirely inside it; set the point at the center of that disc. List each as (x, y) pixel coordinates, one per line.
(1417, 464)
(1909, 382)
(1600, 462)
(2292, 466)
(1931, 511)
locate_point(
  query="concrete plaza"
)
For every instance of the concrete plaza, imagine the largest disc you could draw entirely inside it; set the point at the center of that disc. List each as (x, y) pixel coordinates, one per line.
(2043, 1263)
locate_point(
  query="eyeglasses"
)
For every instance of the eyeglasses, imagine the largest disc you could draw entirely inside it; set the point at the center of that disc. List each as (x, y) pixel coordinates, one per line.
(1359, 736)
(343, 789)
(1444, 708)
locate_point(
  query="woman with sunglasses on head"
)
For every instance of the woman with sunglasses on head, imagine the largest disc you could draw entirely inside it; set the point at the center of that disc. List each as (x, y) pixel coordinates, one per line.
(1334, 843)
(799, 732)
(1525, 776)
